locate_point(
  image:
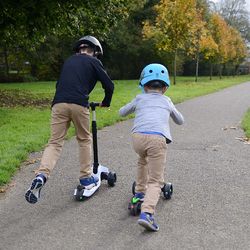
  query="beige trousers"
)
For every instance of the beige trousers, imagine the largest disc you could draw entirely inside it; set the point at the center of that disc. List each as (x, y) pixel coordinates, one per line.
(152, 150)
(62, 115)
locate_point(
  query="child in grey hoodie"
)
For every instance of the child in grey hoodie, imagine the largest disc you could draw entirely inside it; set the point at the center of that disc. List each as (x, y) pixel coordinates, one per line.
(150, 136)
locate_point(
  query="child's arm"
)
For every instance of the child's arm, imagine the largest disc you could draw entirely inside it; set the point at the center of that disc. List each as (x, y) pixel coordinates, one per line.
(106, 82)
(176, 115)
(128, 108)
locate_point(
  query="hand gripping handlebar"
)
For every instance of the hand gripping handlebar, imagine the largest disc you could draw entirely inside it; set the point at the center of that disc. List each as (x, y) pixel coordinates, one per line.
(94, 104)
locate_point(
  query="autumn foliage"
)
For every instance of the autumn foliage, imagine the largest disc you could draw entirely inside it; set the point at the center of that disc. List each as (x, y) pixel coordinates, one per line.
(184, 25)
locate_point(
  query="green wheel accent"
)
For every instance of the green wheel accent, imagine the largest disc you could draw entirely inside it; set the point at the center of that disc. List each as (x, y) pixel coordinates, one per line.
(135, 200)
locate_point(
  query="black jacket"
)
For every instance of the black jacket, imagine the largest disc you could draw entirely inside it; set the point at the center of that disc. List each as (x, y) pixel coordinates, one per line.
(78, 78)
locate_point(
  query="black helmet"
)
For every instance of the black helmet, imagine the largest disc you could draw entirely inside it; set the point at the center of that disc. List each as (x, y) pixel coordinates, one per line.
(92, 42)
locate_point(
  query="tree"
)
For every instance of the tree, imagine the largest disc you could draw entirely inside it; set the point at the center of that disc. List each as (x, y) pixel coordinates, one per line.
(172, 27)
(27, 24)
(236, 15)
(36, 19)
(220, 33)
(194, 46)
(209, 49)
(126, 53)
(238, 50)
(231, 46)
(202, 41)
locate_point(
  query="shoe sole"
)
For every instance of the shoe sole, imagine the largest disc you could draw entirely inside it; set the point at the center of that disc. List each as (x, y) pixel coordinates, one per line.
(30, 197)
(147, 225)
(35, 187)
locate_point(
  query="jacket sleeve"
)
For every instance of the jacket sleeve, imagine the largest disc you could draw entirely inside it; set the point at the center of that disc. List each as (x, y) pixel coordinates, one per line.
(176, 115)
(106, 82)
(128, 108)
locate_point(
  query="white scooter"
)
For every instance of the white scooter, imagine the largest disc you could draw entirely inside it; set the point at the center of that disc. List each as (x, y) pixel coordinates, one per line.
(103, 173)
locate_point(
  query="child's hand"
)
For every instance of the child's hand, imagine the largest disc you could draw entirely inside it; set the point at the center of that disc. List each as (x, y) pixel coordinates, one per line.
(104, 105)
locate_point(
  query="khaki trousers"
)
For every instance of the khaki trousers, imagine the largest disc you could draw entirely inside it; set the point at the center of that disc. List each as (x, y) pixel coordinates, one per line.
(152, 151)
(62, 115)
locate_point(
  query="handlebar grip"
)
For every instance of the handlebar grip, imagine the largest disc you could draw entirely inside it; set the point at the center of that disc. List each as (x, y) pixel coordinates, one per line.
(94, 104)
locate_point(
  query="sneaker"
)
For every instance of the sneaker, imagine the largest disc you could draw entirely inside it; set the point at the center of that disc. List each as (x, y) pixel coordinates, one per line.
(89, 182)
(138, 197)
(147, 221)
(33, 193)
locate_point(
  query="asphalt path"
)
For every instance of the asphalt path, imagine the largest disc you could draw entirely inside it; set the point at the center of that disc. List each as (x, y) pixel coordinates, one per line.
(208, 166)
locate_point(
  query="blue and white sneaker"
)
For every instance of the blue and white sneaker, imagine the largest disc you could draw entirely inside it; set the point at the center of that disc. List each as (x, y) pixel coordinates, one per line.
(33, 193)
(147, 221)
(89, 182)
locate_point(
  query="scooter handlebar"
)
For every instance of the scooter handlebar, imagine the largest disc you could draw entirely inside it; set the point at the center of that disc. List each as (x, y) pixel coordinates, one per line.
(94, 104)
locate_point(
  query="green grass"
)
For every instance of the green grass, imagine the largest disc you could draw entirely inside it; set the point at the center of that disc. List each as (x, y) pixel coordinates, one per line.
(26, 129)
(246, 123)
(35, 89)
(22, 131)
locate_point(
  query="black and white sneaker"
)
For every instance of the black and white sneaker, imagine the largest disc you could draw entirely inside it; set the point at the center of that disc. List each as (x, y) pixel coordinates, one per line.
(33, 193)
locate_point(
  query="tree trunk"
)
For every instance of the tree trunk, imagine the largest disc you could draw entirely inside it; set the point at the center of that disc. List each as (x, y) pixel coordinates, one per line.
(211, 70)
(197, 68)
(6, 62)
(236, 70)
(228, 69)
(33, 71)
(220, 71)
(175, 58)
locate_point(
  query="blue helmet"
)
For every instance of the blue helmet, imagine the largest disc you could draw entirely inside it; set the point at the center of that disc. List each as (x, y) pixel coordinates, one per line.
(154, 71)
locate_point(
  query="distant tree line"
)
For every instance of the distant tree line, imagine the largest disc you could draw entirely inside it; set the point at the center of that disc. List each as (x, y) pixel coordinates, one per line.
(191, 37)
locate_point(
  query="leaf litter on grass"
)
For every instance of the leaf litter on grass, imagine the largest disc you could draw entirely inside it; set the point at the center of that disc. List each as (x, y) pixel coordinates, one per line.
(10, 98)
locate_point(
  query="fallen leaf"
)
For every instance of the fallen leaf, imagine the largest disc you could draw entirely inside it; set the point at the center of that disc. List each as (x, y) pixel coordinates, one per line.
(243, 139)
(32, 161)
(231, 127)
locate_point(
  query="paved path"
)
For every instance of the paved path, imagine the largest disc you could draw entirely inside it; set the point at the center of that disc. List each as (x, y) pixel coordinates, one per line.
(210, 208)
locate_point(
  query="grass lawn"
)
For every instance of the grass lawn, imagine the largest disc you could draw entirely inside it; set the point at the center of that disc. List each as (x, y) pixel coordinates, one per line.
(26, 129)
(246, 124)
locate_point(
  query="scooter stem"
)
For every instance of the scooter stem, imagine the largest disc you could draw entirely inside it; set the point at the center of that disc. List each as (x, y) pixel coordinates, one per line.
(93, 105)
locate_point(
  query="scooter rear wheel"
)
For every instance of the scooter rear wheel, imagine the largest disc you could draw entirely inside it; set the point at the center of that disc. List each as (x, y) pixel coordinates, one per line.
(111, 178)
(167, 190)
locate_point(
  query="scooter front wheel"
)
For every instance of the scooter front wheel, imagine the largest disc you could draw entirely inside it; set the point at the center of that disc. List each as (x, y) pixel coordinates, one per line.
(79, 193)
(135, 208)
(133, 187)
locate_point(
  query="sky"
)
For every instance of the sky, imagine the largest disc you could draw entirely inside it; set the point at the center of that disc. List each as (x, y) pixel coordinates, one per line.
(247, 3)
